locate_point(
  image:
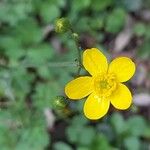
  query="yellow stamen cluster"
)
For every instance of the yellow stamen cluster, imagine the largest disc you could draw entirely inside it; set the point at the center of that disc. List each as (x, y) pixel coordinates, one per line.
(105, 84)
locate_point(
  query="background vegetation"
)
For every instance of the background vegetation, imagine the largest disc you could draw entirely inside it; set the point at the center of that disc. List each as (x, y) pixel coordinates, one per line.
(30, 78)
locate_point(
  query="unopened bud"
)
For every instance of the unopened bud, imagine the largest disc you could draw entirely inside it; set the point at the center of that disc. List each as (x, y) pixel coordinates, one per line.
(59, 102)
(62, 25)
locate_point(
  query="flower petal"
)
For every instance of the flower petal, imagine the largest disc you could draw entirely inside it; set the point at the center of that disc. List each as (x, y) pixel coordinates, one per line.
(79, 87)
(121, 98)
(95, 107)
(94, 61)
(123, 67)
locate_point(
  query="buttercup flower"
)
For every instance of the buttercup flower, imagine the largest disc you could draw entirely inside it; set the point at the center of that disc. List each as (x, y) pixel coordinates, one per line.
(104, 86)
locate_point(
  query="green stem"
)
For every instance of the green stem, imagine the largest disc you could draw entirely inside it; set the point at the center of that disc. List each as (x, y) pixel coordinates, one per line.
(79, 58)
(79, 53)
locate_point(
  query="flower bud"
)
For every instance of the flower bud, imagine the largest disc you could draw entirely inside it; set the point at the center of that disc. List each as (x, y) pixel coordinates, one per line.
(62, 25)
(59, 102)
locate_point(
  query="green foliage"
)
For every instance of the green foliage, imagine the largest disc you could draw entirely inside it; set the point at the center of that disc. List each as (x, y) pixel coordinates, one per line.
(101, 142)
(115, 21)
(118, 123)
(36, 63)
(79, 134)
(127, 127)
(140, 29)
(79, 5)
(132, 143)
(144, 51)
(28, 32)
(101, 5)
(15, 11)
(140, 127)
(130, 130)
(132, 5)
(17, 132)
(49, 12)
(61, 146)
(35, 139)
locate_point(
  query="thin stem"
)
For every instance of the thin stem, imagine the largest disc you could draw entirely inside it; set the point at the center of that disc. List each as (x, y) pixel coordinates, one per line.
(79, 58)
(79, 53)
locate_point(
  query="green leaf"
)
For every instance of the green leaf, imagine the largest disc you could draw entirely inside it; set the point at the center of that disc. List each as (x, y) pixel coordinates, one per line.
(72, 133)
(132, 143)
(115, 21)
(8, 42)
(35, 139)
(61, 146)
(101, 142)
(146, 133)
(44, 94)
(61, 3)
(147, 33)
(13, 12)
(134, 5)
(80, 135)
(136, 125)
(40, 55)
(44, 72)
(49, 12)
(28, 32)
(144, 50)
(83, 148)
(86, 136)
(20, 82)
(97, 23)
(5, 85)
(107, 130)
(118, 123)
(83, 24)
(140, 29)
(101, 5)
(79, 120)
(78, 5)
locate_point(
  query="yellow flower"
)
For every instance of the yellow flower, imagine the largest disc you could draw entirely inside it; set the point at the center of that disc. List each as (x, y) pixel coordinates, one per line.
(104, 86)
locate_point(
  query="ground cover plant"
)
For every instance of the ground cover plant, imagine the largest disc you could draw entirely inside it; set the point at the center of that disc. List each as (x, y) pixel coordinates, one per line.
(37, 60)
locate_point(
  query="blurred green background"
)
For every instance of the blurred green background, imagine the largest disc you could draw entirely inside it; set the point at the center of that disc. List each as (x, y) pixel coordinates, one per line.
(35, 66)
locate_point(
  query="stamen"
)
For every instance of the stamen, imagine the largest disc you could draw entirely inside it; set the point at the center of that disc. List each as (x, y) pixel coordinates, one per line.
(105, 84)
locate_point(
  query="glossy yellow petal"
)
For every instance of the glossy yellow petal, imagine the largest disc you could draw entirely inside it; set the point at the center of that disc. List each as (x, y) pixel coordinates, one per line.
(94, 61)
(79, 88)
(121, 98)
(123, 68)
(95, 107)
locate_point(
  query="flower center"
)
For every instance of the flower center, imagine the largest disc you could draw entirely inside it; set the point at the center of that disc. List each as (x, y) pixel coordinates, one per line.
(105, 84)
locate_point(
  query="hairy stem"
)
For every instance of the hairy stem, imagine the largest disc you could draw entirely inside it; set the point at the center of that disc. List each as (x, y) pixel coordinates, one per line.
(78, 47)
